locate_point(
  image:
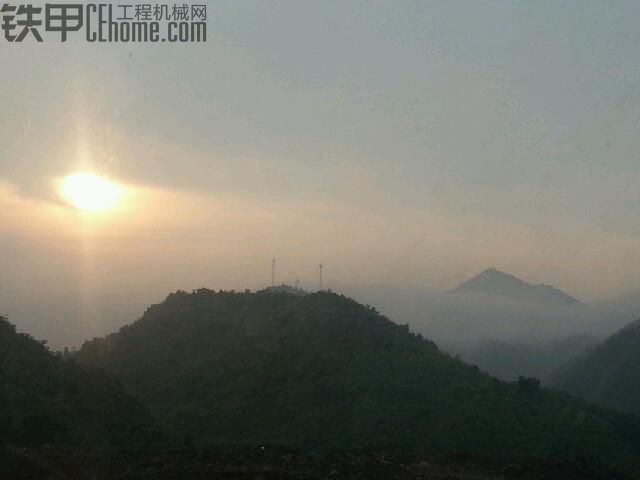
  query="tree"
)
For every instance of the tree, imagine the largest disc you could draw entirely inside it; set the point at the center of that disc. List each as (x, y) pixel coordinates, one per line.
(528, 384)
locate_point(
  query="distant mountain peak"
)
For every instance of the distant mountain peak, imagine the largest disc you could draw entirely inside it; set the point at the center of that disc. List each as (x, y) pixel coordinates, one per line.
(495, 282)
(494, 273)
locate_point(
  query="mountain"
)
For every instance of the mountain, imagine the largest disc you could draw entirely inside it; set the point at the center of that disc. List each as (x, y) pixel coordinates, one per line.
(494, 282)
(321, 371)
(47, 400)
(610, 374)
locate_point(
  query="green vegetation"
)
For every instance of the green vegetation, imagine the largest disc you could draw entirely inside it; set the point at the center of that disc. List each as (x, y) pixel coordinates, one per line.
(46, 400)
(323, 372)
(610, 374)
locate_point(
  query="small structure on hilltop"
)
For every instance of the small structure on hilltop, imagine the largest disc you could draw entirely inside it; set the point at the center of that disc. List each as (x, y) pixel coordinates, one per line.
(284, 288)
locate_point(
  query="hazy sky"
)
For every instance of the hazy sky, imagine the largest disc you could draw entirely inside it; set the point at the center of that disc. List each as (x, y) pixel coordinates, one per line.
(397, 142)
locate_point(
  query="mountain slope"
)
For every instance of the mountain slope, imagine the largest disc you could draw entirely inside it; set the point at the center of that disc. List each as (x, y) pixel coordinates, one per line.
(508, 361)
(45, 400)
(494, 282)
(610, 374)
(322, 371)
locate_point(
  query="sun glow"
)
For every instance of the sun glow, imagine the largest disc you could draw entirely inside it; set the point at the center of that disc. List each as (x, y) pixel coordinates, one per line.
(90, 192)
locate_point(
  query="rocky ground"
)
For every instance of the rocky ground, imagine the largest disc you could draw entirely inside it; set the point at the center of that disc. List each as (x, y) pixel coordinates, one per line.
(268, 463)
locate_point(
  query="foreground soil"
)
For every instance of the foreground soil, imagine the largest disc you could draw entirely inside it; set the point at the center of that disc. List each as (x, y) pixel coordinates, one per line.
(269, 463)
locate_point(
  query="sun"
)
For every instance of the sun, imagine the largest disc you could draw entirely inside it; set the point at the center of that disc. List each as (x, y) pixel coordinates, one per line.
(90, 192)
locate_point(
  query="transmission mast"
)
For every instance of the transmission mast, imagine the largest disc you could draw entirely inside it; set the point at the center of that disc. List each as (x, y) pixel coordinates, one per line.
(273, 272)
(320, 279)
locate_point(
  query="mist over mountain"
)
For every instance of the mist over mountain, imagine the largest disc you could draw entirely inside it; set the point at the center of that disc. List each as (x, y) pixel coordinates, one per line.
(447, 318)
(322, 371)
(509, 360)
(502, 324)
(45, 399)
(621, 307)
(492, 306)
(494, 282)
(609, 375)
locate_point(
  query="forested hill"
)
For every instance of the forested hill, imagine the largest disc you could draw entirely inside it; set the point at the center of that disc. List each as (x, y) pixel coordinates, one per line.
(322, 371)
(610, 374)
(45, 400)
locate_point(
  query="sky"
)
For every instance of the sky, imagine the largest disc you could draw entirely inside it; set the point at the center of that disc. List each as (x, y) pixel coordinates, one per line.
(401, 143)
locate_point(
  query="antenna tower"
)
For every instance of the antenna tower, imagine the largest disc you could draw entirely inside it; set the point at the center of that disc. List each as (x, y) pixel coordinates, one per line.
(273, 272)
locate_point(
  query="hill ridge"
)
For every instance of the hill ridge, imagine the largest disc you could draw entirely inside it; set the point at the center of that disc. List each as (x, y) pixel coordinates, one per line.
(609, 374)
(46, 399)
